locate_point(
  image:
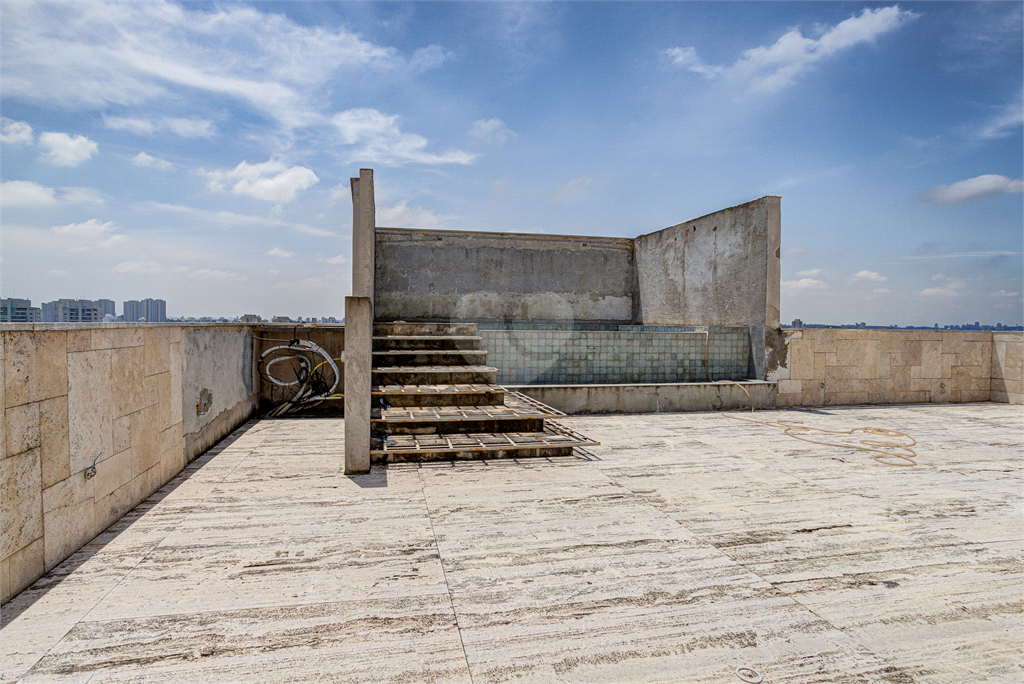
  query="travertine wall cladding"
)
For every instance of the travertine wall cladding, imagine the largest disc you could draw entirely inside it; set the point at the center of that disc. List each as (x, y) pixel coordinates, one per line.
(836, 366)
(1008, 367)
(72, 396)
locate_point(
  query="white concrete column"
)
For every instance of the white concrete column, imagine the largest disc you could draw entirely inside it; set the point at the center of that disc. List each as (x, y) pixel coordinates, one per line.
(358, 358)
(364, 225)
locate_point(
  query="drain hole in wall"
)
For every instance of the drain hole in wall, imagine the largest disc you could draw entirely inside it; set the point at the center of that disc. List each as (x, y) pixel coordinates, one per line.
(205, 402)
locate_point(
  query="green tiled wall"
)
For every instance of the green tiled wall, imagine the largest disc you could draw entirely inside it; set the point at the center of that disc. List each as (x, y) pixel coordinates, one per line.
(549, 355)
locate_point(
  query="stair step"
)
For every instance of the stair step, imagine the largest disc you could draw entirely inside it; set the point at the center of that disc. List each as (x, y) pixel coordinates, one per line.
(514, 416)
(440, 395)
(429, 357)
(555, 440)
(401, 342)
(407, 329)
(434, 375)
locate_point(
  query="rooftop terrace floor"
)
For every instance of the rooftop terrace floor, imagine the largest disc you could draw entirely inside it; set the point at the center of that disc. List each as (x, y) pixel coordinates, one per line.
(685, 546)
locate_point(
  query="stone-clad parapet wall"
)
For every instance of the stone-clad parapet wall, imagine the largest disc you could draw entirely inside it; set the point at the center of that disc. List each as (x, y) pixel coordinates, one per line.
(113, 396)
(844, 366)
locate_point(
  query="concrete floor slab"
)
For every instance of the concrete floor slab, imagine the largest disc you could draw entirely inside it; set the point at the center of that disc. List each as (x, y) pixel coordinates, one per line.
(685, 546)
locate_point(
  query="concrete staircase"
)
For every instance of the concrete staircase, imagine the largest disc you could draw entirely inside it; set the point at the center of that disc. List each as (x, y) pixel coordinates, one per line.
(435, 399)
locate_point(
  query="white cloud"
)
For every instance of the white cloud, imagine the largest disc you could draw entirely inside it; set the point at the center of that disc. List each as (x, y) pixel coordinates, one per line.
(186, 128)
(310, 230)
(143, 159)
(88, 234)
(1004, 293)
(15, 132)
(278, 252)
(810, 273)
(213, 274)
(972, 189)
(334, 260)
(29, 194)
(569, 190)
(401, 216)
(794, 252)
(961, 255)
(500, 187)
(378, 138)
(272, 180)
(230, 218)
(770, 69)
(63, 150)
(1005, 123)
(950, 289)
(429, 57)
(880, 290)
(687, 57)
(870, 275)
(309, 284)
(75, 195)
(492, 131)
(341, 191)
(139, 267)
(26, 194)
(101, 53)
(804, 284)
(92, 229)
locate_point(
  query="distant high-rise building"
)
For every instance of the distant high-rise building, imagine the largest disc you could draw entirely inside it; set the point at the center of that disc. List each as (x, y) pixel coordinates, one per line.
(19, 311)
(72, 311)
(249, 318)
(797, 323)
(153, 310)
(106, 306)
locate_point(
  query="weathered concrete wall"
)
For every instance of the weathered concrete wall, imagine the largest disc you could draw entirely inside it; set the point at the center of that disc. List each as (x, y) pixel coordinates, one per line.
(836, 366)
(652, 398)
(218, 391)
(119, 392)
(712, 270)
(719, 269)
(1008, 367)
(446, 275)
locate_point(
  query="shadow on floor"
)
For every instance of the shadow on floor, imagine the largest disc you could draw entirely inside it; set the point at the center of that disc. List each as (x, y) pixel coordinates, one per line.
(24, 600)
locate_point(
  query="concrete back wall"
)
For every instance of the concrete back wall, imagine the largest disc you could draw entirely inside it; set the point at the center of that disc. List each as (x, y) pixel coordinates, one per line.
(719, 269)
(123, 392)
(713, 270)
(459, 275)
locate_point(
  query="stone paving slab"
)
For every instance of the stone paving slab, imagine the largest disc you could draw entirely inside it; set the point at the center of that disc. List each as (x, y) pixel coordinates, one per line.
(683, 547)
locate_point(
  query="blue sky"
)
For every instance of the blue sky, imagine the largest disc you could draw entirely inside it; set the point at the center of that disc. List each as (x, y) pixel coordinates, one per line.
(201, 152)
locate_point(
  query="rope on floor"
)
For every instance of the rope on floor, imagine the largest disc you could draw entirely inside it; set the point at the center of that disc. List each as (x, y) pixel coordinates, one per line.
(886, 452)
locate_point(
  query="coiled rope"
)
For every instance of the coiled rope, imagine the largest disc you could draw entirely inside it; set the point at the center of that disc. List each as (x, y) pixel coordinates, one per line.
(886, 452)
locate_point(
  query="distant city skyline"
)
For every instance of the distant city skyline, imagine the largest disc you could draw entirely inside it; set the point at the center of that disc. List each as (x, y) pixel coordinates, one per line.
(170, 148)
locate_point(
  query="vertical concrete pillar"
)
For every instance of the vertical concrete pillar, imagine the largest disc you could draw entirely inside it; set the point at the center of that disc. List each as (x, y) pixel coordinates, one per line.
(358, 356)
(364, 226)
(359, 326)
